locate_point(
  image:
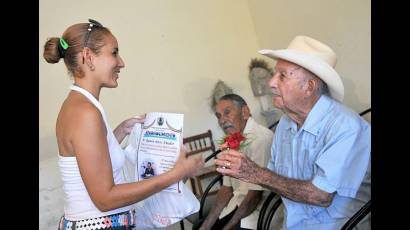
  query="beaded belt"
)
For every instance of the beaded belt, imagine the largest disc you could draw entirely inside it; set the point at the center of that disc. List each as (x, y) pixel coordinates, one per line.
(124, 219)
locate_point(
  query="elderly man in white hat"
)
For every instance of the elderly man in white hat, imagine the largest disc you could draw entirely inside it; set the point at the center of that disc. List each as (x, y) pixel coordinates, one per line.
(320, 161)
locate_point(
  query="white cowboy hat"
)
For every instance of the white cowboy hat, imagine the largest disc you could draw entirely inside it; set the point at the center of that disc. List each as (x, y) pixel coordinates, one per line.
(314, 56)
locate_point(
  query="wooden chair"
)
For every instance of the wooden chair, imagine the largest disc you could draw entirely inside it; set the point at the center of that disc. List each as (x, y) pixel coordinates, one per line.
(201, 144)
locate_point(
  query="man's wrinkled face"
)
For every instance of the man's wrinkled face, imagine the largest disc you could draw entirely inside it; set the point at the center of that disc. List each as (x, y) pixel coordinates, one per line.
(230, 117)
(287, 85)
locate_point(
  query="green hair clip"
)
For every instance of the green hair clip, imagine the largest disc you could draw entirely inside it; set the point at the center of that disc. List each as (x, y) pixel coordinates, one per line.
(63, 43)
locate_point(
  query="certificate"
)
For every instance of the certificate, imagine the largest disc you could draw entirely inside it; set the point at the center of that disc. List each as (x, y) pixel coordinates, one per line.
(159, 146)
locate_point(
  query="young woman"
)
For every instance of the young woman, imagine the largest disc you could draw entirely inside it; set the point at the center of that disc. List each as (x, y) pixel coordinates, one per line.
(90, 156)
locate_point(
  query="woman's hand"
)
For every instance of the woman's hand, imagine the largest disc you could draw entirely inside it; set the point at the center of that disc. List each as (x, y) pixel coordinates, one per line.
(188, 166)
(125, 127)
(128, 124)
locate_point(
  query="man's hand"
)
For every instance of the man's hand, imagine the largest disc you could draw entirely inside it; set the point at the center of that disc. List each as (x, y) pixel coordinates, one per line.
(235, 164)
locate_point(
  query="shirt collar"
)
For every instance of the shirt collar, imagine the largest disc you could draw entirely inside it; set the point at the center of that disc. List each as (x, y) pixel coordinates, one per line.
(317, 114)
(314, 117)
(249, 125)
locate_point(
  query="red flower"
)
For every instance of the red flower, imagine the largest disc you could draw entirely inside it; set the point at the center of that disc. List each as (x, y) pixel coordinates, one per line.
(234, 141)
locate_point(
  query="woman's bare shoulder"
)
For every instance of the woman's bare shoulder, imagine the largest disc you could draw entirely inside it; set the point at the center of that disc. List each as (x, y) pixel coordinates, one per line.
(77, 113)
(81, 107)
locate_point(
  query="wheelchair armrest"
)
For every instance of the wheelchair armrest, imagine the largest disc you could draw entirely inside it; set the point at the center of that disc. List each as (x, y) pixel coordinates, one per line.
(264, 219)
(263, 209)
(366, 111)
(271, 212)
(203, 198)
(212, 155)
(358, 216)
(273, 125)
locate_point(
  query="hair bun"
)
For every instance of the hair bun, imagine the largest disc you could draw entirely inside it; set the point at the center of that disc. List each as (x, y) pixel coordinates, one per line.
(51, 50)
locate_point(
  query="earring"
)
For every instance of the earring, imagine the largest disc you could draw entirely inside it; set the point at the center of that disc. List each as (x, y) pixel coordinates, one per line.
(92, 67)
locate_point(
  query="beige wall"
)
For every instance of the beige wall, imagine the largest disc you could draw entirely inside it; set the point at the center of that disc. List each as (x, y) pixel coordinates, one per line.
(174, 52)
(343, 25)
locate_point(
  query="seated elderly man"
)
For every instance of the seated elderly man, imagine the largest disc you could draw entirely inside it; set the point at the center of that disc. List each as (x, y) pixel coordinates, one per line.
(320, 161)
(238, 203)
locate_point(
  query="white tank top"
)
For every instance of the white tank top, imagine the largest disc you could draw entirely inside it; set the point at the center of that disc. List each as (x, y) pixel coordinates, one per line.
(77, 203)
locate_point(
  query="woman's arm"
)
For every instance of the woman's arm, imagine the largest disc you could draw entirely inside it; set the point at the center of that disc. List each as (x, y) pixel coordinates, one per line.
(94, 163)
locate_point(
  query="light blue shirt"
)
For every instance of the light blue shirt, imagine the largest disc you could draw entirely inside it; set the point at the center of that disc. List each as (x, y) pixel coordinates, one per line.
(331, 149)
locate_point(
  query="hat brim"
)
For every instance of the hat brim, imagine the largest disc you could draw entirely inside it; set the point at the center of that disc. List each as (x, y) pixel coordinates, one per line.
(320, 68)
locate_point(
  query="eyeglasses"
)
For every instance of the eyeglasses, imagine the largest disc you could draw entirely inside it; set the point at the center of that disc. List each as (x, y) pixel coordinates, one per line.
(93, 23)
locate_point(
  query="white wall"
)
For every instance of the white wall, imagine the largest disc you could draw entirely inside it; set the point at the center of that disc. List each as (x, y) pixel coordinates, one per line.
(343, 25)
